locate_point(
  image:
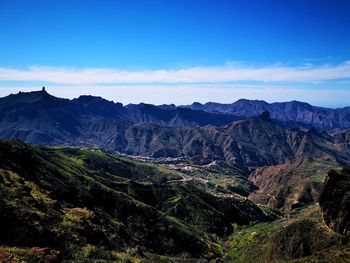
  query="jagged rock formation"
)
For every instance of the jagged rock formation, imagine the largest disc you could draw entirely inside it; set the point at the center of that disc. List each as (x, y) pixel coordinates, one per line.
(335, 201)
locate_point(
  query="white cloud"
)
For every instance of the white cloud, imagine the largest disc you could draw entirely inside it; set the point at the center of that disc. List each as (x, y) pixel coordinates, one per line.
(228, 73)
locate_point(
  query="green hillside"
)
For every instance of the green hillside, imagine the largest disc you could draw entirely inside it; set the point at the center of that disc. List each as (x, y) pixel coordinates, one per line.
(67, 203)
(301, 237)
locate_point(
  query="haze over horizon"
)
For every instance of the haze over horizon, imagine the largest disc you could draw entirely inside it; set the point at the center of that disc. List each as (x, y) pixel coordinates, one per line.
(179, 52)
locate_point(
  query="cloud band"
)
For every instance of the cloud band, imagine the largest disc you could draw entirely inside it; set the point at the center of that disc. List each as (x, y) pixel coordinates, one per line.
(219, 74)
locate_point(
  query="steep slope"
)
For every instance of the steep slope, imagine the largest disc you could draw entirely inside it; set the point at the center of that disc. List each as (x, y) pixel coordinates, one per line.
(38, 117)
(335, 201)
(315, 233)
(324, 118)
(298, 182)
(70, 200)
(343, 136)
(302, 237)
(292, 184)
(248, 143)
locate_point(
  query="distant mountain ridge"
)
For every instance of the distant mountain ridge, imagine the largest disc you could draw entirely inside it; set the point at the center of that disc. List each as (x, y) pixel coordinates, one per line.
(287, 114)
(97, 106)
(324, 118)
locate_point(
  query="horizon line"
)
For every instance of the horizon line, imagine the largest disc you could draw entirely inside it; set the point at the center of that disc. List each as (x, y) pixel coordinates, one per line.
(44, 89)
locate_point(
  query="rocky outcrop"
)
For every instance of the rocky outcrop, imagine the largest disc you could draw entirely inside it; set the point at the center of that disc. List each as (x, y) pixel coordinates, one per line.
(335, 201)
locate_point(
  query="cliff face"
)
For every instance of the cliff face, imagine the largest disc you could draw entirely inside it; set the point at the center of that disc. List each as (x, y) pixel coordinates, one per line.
(335, 201)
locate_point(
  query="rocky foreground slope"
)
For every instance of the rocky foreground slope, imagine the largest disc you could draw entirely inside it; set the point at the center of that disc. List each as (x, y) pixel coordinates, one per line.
(64, 203)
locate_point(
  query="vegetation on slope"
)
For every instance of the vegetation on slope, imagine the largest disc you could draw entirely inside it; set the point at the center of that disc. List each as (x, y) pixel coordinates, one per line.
(292, 184)
(69, 203)
(301, 237)
(313, 233)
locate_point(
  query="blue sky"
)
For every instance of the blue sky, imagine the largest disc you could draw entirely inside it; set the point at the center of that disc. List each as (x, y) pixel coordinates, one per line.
(178, 51)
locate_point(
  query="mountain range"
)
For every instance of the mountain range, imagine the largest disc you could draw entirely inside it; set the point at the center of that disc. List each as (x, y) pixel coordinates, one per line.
(159, 131)
(89, 179)
(295, 111)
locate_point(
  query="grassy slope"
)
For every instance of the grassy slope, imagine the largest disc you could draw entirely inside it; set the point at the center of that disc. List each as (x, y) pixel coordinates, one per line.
(80, 204)
(303, 237)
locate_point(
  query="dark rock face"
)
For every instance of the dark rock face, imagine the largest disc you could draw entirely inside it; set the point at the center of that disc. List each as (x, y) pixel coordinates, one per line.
(335, 201)
(265, 115)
